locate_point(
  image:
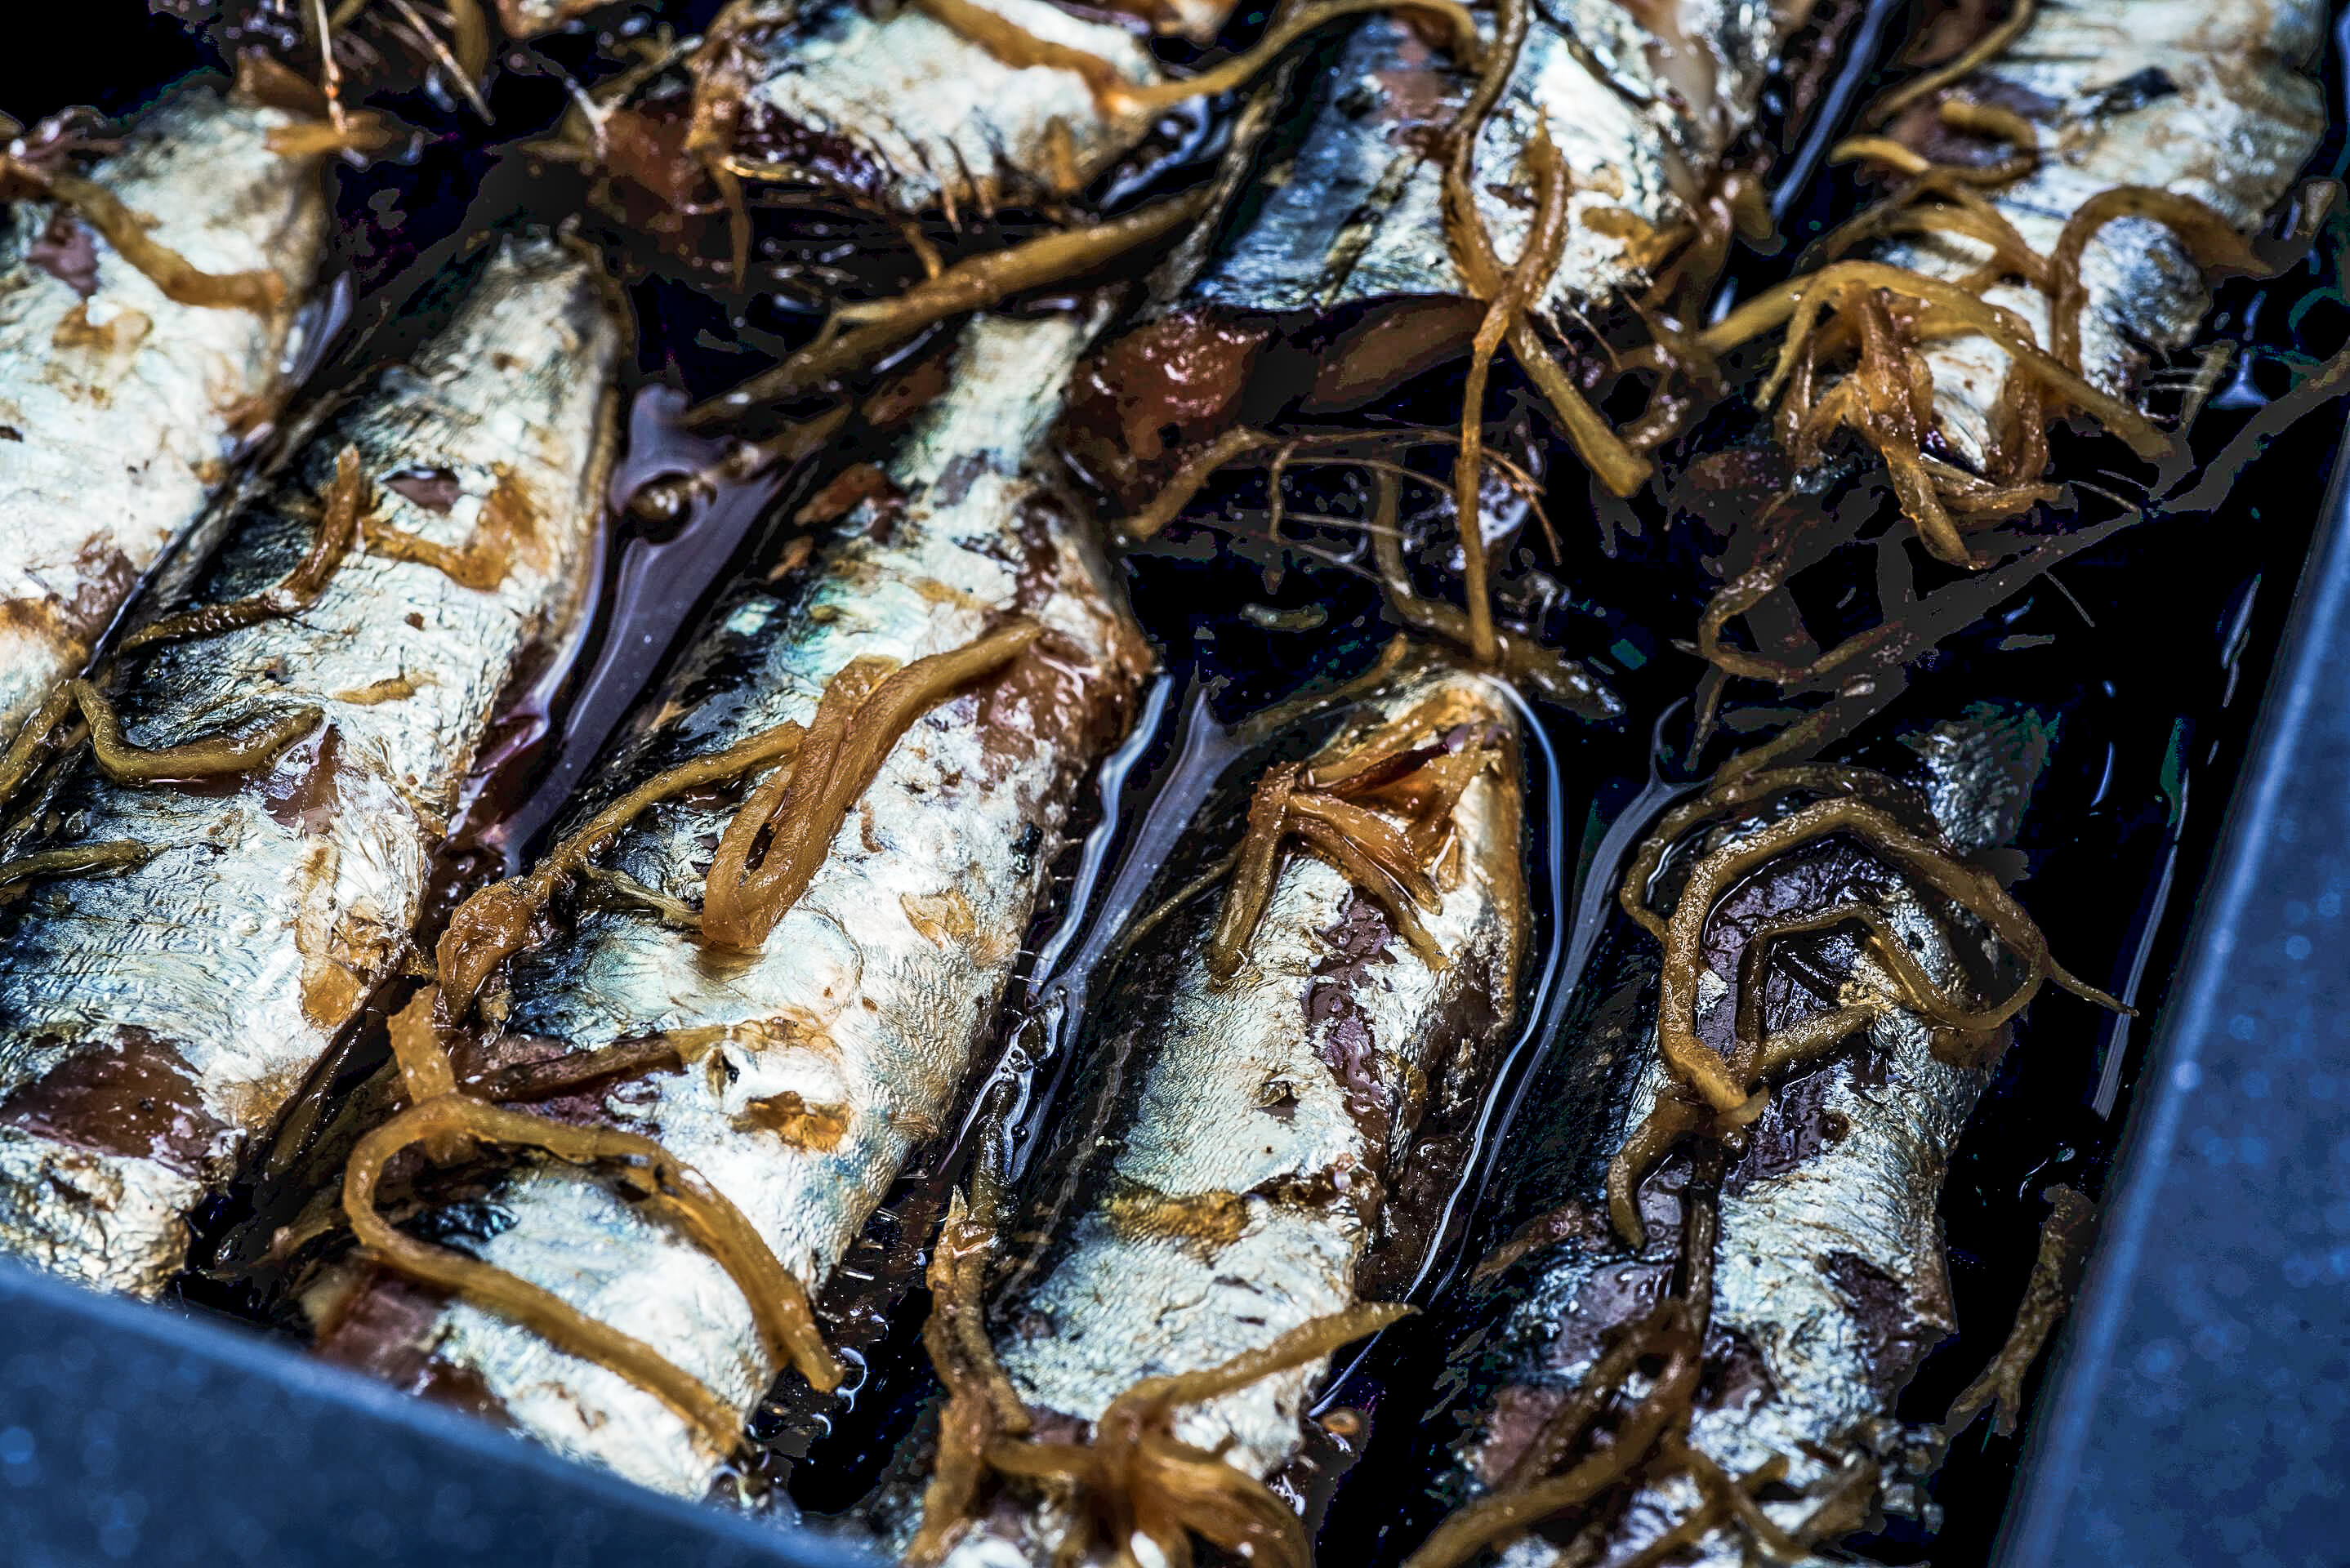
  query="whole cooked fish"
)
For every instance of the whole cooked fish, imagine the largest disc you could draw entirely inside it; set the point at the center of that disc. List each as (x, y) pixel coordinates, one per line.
(960, 105)
(804, 1073)
(121, 405)
(2215, 102)
(1641, 104)
(2142, 142)
(1830, 1280)
(154, 1017)
(1253, 1138)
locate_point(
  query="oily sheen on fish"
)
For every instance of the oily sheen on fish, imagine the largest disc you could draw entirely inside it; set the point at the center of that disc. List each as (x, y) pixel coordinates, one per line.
(1231, 1169)
(844, 1042)
(120, 407)
(1342, 283)
(1641, 102)
(1830, 1278)
(2214, 101)
(907, 112)
(154, 1018)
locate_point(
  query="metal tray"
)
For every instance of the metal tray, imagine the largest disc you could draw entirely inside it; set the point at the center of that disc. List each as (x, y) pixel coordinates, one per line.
(2194, 1412)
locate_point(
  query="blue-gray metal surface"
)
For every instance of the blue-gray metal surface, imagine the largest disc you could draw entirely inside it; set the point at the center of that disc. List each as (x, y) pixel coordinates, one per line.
(130, 1435)
(2198, 1411)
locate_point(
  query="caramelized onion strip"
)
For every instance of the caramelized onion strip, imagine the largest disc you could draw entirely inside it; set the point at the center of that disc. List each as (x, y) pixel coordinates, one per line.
(1617, 466)
(239, 752)
(981, 1405)
(1010, 44)
(344, 505)
(495, 922)
(1722, 800)
(1136, 1478)
(1322, 807)
(180, 279)
(662, 1183)
(74, 860)
(1798, 304)
(1197, 470)
(799, 818)
(2209, 239)
(1494, 1519)
(1461, 41)
(1545, 240)
(1252, 885)
(1694, 1062)
(2011, 27)
(1544, 670)
(23, 755)
(857, 334)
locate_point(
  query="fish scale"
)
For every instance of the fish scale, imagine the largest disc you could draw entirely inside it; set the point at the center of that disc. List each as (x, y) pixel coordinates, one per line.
(120, 410)
(153, 1020)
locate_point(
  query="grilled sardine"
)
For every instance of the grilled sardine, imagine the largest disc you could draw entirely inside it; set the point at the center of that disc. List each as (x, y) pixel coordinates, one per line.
(121, 406)
(153, 1018)
(1344, 283)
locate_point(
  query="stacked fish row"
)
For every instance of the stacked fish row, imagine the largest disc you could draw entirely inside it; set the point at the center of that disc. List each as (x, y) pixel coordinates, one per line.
(651, 1092)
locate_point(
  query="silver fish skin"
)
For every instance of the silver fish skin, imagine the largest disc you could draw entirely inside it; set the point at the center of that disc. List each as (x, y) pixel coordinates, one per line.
(1228, 1177)
(2215, 102)
(1641, 101)
(122, 408)
(872, 1000)
(530, 18)
(906, 114)
(1831, 1274)
(153, 1020)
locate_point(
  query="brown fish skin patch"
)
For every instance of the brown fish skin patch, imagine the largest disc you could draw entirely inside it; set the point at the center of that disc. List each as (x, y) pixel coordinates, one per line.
(306, 796)
(133, 1098)
(1900, 1324)
(381, 1326)
(67, 252)
(434, 489)
(1617, 1292)
(103, 578)
(1203, 1223)
(817, 1128)
(1341, 1029)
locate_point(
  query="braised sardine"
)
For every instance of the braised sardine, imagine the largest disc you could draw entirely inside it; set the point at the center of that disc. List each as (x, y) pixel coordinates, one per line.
(155, 1016)
(1640, 102)
(2213, 102)
(802, 1073)
(1829, 1280)
(960, 105)
(121, 405)
(1262, 1093)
